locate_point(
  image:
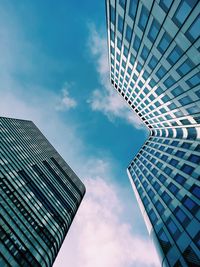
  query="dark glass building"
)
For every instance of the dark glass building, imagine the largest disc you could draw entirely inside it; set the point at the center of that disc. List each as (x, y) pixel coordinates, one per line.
(40, 195)
(154, 56)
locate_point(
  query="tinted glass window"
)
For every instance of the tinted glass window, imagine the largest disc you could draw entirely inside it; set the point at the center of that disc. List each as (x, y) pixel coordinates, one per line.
(169, 81)
(164, 42)
(194, 80)
(185, 100)
(173, 229)
(193, 32)
(112, 14)
(165, 4)
(154, 30)
(136, 43)
(112, 35)
(196, 191)
(187, 169)
(132, 8)
(174, 56)
(144, 53)
(177, 91)
(125, 51)
(122, 3)
(173, 188)
(128, 33)
(190, 204)
(120, 24)
(194, 158)
(161, 72)
(180, 179)
(185, 67)
(132, 59)
(119, 43)
(183, 11)
(181, 216)
(143, 18)
(153, 62)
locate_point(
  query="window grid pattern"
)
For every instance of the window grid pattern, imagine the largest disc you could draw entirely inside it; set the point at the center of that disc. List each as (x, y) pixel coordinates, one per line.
(40, 195)
(156, 69)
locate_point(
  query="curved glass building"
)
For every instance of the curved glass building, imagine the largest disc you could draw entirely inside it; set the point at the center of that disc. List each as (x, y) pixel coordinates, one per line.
(40, 195)
(154, 56)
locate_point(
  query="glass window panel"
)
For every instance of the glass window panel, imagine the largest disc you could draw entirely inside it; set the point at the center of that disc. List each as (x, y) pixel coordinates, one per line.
(164, 43)
(166, 198)
(190, 204)
(185, 100)
(143, 18)
(153, 62)
(187, 169)
(179, 179)
(181, 216)
(173, 188)
(183, 11)
(165, 4)
(194, 31)
(136, 43)
(161, 72)
(185, 67)
(194, 158)
(112, 14)
(120, 24)
(139, 67)
(132, 59)
(173, 229)
(132, 8)
(194, 80)
(169, 81)
(177, 91)
(119, 43)
(152, 83)
(154, 30)
(125, 51)
(112, 35)
(128, 33)
(122, 3)
(196, 191)
(174, 56)
(144, 53)
(159, 91)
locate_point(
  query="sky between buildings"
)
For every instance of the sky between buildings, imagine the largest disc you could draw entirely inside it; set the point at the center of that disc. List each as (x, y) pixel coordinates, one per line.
(54, 71)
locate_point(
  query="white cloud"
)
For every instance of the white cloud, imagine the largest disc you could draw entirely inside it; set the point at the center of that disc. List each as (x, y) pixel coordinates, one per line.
(65, 102)
(105, 99)
(101, 237)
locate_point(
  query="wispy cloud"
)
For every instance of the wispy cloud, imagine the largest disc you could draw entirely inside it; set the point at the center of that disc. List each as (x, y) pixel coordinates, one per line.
(65, 101)
(101, 236)
(105, 99)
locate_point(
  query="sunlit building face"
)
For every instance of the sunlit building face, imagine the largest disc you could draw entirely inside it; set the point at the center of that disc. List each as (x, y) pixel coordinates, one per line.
(154, 56)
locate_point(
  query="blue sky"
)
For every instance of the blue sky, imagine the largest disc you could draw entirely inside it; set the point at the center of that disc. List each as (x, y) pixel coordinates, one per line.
(54, 71)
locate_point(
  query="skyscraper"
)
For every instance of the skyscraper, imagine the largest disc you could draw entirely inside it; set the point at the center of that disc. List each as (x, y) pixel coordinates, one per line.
(40, 195)
(154, 56)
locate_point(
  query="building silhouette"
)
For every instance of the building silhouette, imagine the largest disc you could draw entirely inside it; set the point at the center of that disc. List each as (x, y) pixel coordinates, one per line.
(154, 57)
(40, 195)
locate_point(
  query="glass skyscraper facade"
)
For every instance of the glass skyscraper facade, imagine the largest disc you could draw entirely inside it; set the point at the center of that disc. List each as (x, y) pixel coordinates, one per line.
(40, 195)
(154, 56)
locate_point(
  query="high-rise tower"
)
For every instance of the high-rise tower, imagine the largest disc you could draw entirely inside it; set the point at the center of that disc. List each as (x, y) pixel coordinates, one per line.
(154, 56)
(40, 195)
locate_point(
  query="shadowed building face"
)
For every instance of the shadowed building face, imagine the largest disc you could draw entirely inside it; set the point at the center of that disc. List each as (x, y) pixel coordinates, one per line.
(40, 195)
(154, 65)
